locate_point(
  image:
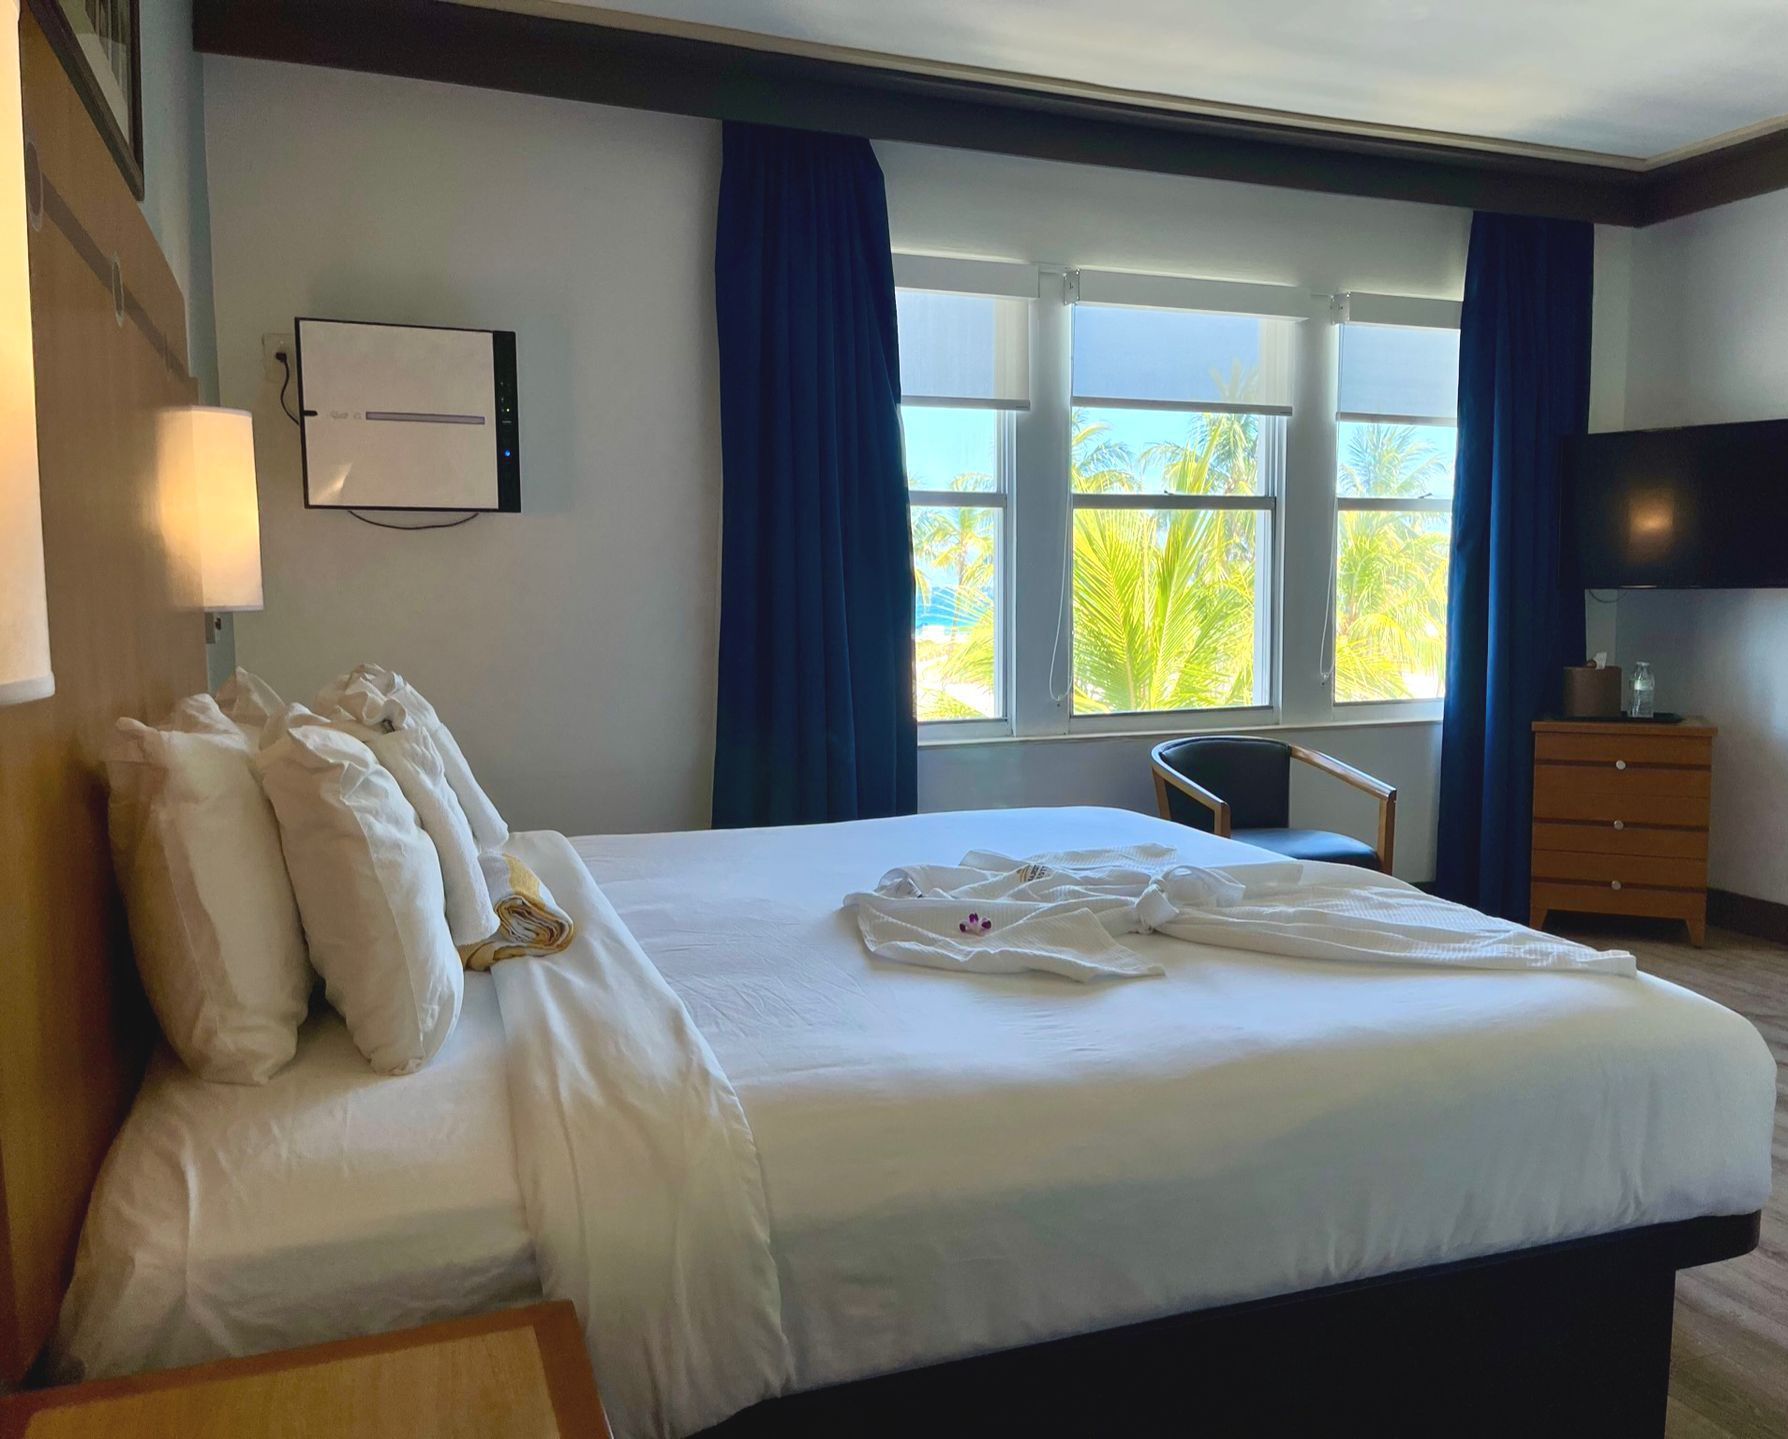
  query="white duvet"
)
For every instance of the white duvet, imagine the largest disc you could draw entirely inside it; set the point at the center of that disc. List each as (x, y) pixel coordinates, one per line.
(959, 1163)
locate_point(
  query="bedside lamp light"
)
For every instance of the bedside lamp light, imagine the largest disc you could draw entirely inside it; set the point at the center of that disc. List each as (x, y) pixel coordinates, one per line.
(25, 672)
(229, 515)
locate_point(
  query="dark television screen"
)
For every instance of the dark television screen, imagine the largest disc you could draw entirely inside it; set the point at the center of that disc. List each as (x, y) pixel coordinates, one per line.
(1705, 507)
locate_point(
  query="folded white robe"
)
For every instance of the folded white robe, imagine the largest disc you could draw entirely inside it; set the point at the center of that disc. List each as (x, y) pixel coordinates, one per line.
(1060, 913)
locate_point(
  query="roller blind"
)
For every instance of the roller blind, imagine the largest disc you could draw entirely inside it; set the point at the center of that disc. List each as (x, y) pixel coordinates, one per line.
(1399, 372)
(959, 349)
(1197, 359)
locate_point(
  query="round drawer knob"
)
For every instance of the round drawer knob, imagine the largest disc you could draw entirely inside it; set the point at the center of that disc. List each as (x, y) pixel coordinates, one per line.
(1620, 824)
(1620, 764)
(1614, 884)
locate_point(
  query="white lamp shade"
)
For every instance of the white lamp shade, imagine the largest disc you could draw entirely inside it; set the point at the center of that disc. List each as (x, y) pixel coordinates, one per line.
(24, 607)
(229, 512)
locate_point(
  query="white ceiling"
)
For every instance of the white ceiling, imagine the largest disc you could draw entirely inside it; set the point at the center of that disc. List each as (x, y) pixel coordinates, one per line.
(1637, 78)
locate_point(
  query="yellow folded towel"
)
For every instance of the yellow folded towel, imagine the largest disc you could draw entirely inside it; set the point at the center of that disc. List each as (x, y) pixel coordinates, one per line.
(529, 923)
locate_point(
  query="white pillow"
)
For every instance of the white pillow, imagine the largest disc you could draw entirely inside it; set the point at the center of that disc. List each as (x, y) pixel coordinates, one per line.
(249, 701)
(199, 714)
(212, 917)
(378, 697)
(369, 889)
(414, 762)
(408, 751)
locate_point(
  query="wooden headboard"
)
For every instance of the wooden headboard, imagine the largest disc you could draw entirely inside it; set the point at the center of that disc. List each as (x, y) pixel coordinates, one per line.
(127, 638)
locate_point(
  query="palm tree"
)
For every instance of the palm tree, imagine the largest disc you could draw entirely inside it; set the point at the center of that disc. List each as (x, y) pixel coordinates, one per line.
(1217, 455)
(955, 538)
(960, 541)
(1163, 612)
(1164, 599)
(1391, 580)
(1388, 460)
(1097, 463)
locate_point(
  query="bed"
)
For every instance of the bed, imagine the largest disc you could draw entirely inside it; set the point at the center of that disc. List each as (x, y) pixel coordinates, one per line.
(876, 1190)
(237, 1219)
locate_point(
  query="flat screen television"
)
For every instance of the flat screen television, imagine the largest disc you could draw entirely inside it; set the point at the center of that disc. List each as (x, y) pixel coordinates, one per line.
(407, 417)
(1703, 507)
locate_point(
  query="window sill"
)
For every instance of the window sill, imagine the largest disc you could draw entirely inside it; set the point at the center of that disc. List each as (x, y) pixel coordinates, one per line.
(1148, 732)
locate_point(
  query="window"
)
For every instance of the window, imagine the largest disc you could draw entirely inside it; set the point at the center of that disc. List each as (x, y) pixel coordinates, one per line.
(1395, 441)
(1144, 502)
(1177, 448)
(964, 372)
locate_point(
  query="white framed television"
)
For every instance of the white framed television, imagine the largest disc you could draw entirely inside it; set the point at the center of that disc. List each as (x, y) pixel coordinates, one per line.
(407, 417)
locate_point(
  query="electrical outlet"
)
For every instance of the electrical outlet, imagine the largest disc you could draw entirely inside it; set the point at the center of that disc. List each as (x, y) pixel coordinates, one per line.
(272, 347)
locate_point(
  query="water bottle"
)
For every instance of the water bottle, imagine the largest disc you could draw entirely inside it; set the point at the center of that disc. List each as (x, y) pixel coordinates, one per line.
(1644, 691)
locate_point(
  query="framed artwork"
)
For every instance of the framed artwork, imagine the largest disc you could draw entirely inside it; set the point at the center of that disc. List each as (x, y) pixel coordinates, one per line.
(100, 45)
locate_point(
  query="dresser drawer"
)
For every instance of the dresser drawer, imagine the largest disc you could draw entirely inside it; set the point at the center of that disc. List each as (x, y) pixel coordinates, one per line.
(1630, 806)
(1656, 871)
(1619, 837)
(1689, 904)
(1619, 777)
(1635, 747)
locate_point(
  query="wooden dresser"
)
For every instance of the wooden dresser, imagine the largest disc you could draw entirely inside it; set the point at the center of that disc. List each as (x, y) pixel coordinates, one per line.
(1620, 820)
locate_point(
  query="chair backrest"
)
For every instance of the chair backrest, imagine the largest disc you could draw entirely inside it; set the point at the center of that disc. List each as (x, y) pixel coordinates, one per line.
(1253, 776)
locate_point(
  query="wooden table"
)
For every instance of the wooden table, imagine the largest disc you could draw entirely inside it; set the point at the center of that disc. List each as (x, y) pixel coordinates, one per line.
(515, 1374)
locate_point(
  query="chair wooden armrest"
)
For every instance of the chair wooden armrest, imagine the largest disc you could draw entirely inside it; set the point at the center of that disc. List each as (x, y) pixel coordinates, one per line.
(1385, 794)
(1165, 775)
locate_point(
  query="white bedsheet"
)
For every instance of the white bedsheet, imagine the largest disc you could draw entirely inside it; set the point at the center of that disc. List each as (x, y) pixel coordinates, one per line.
(332, 1201)
(641, 1181)
(958, 1163)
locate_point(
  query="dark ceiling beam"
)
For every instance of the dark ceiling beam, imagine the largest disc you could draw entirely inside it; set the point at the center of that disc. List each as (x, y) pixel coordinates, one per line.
(1734, 172)
(499, 50)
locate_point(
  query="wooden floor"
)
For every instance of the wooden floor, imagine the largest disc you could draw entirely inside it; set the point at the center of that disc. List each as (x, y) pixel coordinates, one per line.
(1729, 1365)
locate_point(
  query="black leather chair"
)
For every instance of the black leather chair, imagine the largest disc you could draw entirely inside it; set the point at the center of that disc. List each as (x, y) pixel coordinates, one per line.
(1240, 787)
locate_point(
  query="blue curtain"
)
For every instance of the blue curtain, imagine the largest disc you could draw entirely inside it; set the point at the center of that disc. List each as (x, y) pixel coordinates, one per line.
(1515, 610)
(815, 718)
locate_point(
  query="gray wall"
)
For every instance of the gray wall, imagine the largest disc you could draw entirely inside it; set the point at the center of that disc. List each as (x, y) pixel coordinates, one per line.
(177, 200)
(573, 648)
(177, 203)
(1709, 343)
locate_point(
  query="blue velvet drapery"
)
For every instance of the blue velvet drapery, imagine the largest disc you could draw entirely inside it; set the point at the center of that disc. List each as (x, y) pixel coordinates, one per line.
(816, 714)
(1515, 610)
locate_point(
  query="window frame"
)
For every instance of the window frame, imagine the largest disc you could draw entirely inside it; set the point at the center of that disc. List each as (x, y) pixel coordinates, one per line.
(1266, 504)
(1410, 313)
(997, 279)
(998, 499)
(1302, 502)
(1188, 295)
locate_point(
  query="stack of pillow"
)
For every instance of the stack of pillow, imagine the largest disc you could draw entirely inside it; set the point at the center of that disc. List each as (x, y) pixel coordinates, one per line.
(260, 844)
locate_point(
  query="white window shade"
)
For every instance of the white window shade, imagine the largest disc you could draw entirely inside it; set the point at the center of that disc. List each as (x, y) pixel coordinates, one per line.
(1398, 372)
(1183, 358)
(971, 350)
(1362, 307)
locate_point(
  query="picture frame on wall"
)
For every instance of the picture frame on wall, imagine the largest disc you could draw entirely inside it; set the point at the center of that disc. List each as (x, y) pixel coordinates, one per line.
(100, 45)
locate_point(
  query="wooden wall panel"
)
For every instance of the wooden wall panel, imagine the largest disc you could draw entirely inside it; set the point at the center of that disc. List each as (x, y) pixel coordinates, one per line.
(127, 638)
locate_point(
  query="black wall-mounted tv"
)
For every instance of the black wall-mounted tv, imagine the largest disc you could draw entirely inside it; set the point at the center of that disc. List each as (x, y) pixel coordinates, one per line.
(1703, 507)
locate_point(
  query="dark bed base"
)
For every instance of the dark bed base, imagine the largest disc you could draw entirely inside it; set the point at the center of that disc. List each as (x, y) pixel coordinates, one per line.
(1565, 1339)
